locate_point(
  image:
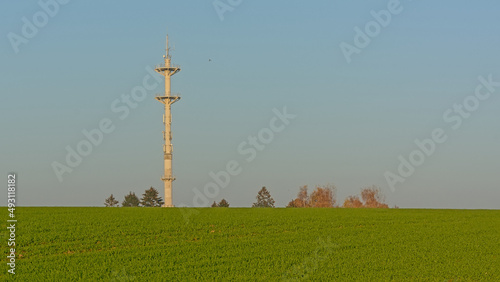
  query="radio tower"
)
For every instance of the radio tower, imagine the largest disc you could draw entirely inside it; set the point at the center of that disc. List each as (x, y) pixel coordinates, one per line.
(167, 70)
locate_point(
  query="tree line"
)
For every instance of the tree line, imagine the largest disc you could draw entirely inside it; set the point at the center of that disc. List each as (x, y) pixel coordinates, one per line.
(324, 197)
(321, 197)
(150, 198)
(264, 200)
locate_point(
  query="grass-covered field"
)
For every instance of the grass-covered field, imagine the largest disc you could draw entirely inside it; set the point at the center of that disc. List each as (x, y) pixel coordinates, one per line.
(155, 244)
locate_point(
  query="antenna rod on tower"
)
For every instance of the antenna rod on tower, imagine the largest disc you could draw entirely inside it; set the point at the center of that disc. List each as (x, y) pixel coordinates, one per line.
(167, 50)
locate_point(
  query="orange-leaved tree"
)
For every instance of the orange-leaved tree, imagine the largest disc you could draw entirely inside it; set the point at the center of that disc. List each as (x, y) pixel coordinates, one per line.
(322, 197)
(352, 202)
(371, 197)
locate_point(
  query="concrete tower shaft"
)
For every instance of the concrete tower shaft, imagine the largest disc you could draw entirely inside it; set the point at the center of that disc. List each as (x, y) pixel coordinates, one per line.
(167, 70)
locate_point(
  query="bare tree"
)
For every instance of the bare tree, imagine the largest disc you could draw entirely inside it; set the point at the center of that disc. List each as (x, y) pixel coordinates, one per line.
(302, 199)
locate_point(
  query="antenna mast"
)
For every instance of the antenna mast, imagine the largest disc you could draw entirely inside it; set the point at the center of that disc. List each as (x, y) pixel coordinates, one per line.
(167, 99)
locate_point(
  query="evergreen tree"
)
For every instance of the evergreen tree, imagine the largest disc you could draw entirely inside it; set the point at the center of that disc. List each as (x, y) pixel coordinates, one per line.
(214, 205)
(131, 200)
(150, 198)
(223, 204)
(111, 201)
(264, 199)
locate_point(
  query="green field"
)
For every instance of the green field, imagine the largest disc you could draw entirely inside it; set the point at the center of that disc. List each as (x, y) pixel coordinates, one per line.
(156, 244)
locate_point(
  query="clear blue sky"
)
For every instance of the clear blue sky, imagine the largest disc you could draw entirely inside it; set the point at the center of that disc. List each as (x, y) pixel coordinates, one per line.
(353, 120)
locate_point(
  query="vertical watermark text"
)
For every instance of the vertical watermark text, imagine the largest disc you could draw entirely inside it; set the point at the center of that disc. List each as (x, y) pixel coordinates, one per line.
(11, 222)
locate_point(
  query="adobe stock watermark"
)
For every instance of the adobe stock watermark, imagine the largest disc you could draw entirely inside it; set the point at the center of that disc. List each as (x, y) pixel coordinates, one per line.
(249, 150)
(12, 180)
(121, 275)
(310, 264)
(93, 137)
(363, 37)
(453, 117)
(30, 28)
(223, 6)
